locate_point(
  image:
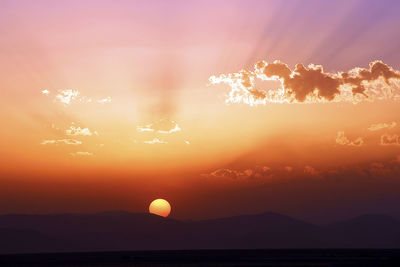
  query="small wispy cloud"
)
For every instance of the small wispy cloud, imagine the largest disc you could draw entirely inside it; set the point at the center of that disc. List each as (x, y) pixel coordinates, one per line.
(341, 139)
(62, 141)
(104, 100)
(69, 96)
(45, 92)
(145, 128)
(159, 130)
(162, 126)
(75, 131)
(380, 126)
(81, 153)
(173, 130)
(155, 141)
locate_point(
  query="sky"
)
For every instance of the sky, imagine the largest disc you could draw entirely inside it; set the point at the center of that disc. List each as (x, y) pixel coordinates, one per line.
(221, 107)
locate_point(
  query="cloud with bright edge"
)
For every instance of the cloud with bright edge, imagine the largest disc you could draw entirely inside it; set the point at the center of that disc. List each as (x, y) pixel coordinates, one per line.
(226, 173)
(311, 84)
(257, 172)
(390, 140)
(341, 139)
(380, 126)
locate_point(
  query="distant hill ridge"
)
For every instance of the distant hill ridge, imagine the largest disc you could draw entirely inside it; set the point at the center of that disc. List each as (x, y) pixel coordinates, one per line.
(121, 230)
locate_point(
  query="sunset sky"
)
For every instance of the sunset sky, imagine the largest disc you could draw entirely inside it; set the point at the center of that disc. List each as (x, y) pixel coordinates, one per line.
(220, 107)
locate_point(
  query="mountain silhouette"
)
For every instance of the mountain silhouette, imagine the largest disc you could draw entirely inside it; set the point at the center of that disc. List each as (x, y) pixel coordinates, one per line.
(120, 230)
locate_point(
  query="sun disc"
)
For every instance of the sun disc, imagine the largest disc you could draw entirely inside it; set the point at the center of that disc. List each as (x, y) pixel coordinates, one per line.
(160, 207)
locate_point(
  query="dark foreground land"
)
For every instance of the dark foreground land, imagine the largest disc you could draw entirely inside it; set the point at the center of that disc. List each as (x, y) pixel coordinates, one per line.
(124, 231)
(272, 257)
(126, 239)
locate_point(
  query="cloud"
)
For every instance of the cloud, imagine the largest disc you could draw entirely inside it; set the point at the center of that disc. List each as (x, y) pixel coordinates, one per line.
(66, 96)
(311, 84)
(104, 100)
(163, 126)
(389, 168)
(390, 140)
(377, 165)
(311, 171)
(62, 141)
(265, 172)
(173, 130)
(69, 96)
(158, 131)
(248, 172)
(145, 128)
(226, 173)
(81, 153)
(256, 172)
(45, 92)
(341, 139)
(265, 168)
(288, 168)
(380, 169)
(155, 141)
(47, 142)
(74, 131)
(380, 126)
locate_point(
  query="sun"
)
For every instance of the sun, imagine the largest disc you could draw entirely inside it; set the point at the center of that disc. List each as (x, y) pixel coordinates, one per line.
(160, 207)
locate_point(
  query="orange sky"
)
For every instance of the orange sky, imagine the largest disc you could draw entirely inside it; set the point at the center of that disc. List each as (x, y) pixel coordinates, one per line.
(109, 105)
